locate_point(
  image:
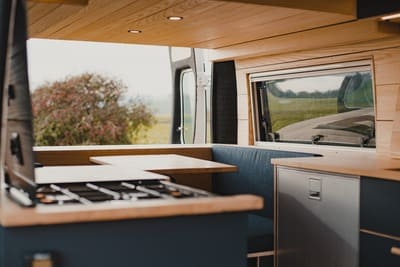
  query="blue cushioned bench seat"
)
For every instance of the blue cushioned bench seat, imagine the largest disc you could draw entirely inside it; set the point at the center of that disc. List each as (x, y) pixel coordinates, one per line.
(255, 175)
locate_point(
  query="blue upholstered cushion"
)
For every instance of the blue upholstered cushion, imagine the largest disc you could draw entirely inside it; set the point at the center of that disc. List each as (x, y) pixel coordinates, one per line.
(255, 175)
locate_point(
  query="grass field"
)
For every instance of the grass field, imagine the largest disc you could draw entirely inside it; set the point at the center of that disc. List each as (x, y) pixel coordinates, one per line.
(159, 133)
(285, 111)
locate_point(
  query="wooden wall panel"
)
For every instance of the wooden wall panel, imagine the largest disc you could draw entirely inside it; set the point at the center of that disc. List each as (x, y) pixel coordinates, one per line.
(385, 55)
(79, 155)
(321, 56)
(386, 101)
(387, 66)
(245, 128)
(243, 113)
(383, 136)
(243, 132)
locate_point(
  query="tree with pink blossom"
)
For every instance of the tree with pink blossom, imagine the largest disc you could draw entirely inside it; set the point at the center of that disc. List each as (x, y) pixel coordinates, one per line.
(88, 109)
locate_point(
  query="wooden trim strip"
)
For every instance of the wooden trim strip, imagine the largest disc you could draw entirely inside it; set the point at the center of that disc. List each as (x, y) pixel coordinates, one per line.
(12, 215)
(261, 254)
(395, 251)
(365, 231)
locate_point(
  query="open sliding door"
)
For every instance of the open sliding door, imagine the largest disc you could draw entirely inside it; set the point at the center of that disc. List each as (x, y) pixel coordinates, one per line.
(190, 91)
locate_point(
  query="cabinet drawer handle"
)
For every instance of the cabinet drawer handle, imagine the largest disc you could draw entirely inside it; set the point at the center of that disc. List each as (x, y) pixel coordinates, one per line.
(395, 251)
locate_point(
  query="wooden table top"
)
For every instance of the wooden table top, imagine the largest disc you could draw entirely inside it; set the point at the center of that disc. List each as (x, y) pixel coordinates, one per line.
(91, 173)
(165, 164)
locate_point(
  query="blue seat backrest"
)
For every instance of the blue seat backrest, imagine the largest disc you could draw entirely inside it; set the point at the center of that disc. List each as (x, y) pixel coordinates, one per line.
(255, 173)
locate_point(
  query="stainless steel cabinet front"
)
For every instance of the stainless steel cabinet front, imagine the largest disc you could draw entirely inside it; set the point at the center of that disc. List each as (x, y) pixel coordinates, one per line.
(318, 219)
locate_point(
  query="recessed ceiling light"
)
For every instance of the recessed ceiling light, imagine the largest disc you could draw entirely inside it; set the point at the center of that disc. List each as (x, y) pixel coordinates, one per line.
(389, 17)
(134, 31)
(175, 18)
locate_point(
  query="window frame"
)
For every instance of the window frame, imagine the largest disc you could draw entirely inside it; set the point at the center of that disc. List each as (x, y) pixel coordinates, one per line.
(302, 72)
(182, 103)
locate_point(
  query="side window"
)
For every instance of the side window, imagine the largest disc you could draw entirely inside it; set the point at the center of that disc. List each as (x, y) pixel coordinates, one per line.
(188, 106)
(94, 93)
(331, 104)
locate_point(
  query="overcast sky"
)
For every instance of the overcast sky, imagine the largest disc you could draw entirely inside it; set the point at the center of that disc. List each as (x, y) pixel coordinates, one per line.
(312, 84)
(144, 69)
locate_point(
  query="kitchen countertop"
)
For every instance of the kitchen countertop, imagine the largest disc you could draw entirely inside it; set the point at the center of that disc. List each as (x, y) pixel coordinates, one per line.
(353, 163)
(13, 215)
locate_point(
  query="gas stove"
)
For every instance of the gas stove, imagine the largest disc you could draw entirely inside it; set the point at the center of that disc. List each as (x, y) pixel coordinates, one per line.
(110, 192)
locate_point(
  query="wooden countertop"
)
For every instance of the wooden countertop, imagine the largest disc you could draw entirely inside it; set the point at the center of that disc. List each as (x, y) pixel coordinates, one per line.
(360, 164)
(12, 215)
(165, 164)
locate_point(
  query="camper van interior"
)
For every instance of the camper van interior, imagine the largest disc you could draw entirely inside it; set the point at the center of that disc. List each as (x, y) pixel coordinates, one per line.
(269, 134)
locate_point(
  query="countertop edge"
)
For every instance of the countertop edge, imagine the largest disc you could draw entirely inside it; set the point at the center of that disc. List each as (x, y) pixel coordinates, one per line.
(376, 166)
(13, 215)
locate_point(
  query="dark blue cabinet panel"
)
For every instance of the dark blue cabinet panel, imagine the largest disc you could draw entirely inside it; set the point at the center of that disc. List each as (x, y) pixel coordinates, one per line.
(212, 241)
(375, 251)
(380, 209)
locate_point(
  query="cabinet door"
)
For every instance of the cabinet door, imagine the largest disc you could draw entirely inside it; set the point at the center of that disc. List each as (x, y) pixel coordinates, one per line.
(376, 251)
(318, 219)
(380, 210)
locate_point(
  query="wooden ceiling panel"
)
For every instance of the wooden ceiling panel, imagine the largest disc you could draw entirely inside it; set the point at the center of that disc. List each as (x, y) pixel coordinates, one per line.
(68, 2)
(197, 29)
(48, 16)
(38, 11)
(298, 22)
(346, 7)
(90, 15)
(159, 29)
(208, 24)
(118, 20)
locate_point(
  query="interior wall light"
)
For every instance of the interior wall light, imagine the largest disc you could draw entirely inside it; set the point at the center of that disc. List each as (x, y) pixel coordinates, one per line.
(390, 17)
(134, 31)
(175, 18)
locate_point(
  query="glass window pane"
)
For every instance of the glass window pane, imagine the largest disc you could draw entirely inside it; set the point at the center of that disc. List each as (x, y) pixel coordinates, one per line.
(331, 108)
(99, 93)
(188, 100)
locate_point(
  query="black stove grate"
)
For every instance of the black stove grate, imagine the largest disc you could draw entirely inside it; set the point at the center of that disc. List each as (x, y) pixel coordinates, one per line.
(85, 193)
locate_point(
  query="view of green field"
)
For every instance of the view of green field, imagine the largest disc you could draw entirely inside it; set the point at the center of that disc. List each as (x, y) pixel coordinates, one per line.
(285, 111)
(159, 133)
